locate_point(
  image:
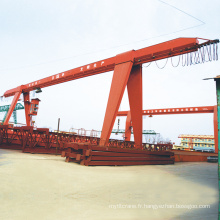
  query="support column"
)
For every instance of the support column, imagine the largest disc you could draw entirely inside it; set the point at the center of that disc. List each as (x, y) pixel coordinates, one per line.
(218, 119)
(27, 108)
(134, 87)
(12, 106)
(128, 127)
(124, 63)
(215, 118)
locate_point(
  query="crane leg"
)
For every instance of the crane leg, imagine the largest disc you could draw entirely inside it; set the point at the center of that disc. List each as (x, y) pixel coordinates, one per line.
(27, 108)
(11, 109)
(128, 127)
(119, 81)
(134, 87)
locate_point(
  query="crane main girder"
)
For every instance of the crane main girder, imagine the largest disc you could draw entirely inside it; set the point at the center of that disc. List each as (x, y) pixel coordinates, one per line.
(156, 52)
(171, 111)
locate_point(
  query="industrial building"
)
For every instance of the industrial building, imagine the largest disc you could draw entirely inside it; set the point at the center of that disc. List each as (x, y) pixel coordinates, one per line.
(197, 142)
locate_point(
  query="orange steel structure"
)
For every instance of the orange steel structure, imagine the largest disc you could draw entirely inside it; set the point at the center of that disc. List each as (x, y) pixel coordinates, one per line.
(41, 140)
(127, 72)
(170, 111)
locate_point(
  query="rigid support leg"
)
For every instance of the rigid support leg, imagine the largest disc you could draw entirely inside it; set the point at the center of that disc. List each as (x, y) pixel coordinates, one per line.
(134, 87)
(27, 108)
(119, 82)
(128, 127)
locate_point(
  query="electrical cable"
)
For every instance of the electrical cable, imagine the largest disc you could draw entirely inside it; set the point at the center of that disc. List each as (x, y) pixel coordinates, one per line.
(182, 11)
(177, 63)
(162, 66)
(205, 53)
(147, 65)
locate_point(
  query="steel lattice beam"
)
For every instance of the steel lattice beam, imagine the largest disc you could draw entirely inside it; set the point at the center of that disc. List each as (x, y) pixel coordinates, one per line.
(5, 108)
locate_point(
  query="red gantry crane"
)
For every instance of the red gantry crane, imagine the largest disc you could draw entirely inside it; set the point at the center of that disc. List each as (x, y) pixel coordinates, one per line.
(127, 72)
(174, 111)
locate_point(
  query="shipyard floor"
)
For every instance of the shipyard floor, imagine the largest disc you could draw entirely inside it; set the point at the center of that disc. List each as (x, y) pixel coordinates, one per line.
(45, 187)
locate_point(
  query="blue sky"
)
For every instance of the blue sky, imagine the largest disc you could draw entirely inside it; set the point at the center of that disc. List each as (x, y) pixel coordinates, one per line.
(42, 38)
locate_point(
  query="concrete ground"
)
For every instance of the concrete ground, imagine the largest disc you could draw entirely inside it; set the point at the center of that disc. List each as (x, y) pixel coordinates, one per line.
(34, 186)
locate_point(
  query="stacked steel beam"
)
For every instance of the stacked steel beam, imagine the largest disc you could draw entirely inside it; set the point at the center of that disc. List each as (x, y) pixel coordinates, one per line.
(93, 155)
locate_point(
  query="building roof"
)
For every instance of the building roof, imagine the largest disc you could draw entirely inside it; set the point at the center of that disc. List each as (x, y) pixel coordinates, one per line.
(196, 136)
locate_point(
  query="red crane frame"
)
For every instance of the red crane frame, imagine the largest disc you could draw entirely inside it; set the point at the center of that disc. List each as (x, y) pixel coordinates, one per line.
(127, 71)
(174, 111)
